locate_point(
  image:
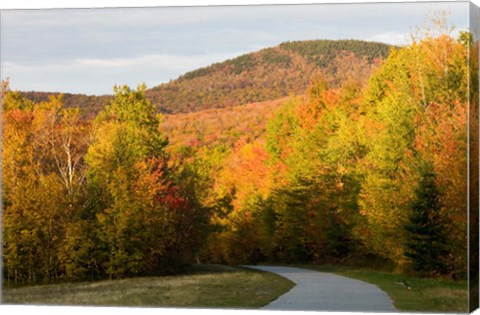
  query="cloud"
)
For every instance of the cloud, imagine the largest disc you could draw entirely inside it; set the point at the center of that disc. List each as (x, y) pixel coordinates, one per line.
(172, 62)
(98, 75)
(393, 38)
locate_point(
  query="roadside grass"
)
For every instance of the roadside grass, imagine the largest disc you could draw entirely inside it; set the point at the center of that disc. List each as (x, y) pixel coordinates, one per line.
(209, 286)
(410, 293)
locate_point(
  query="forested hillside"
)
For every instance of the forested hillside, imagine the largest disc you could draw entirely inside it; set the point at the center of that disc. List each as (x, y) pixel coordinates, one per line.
(224, 126)
(363, 159)
(268, 74)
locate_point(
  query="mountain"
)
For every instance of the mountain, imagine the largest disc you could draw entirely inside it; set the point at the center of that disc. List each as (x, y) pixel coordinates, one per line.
(268, 74)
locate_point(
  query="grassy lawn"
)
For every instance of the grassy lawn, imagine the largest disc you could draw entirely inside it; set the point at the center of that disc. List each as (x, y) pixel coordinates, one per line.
(421, 294)
(205, 286)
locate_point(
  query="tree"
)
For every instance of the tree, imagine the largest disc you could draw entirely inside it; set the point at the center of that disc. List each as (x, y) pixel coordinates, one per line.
(415, 110)
(244, 183)
(124, 169)
(145, 219)
(426, 244)
(314, 146)
(39, 198)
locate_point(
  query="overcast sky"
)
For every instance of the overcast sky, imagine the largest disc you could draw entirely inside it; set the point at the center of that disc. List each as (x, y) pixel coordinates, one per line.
(90, 50)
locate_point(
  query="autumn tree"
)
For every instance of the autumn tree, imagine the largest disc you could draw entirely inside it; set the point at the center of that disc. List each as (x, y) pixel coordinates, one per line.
(144, 220)
(412, 84)
(315, 147)
(42, 162)
(244, 182)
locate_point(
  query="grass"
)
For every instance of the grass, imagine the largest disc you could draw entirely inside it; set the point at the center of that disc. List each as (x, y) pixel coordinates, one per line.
(410, 293)
(209, 286)
(215, 286)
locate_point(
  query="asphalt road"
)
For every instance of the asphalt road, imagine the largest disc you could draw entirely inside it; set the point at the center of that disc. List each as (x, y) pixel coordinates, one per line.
(322, 291)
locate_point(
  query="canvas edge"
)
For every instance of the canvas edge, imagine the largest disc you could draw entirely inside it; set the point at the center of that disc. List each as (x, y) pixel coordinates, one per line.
(473, 171)
(1, 159)
(473, 161)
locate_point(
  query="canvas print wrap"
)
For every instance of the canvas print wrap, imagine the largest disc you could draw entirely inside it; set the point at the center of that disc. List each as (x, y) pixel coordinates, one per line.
(473, 237)
(318, 157)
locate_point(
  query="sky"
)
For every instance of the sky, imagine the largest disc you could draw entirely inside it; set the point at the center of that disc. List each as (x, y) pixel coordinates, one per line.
(90, 50)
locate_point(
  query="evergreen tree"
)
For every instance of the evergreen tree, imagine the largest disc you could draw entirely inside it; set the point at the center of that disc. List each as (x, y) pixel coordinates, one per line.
(426, 244)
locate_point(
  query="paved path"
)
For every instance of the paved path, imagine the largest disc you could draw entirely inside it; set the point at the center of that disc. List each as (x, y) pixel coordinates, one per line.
(322, 291)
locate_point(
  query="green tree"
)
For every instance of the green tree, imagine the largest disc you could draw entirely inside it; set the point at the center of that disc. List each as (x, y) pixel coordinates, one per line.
(426, 244)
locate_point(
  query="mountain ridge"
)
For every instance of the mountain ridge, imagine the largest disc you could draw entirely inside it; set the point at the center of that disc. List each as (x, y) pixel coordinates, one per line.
(263, 75)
